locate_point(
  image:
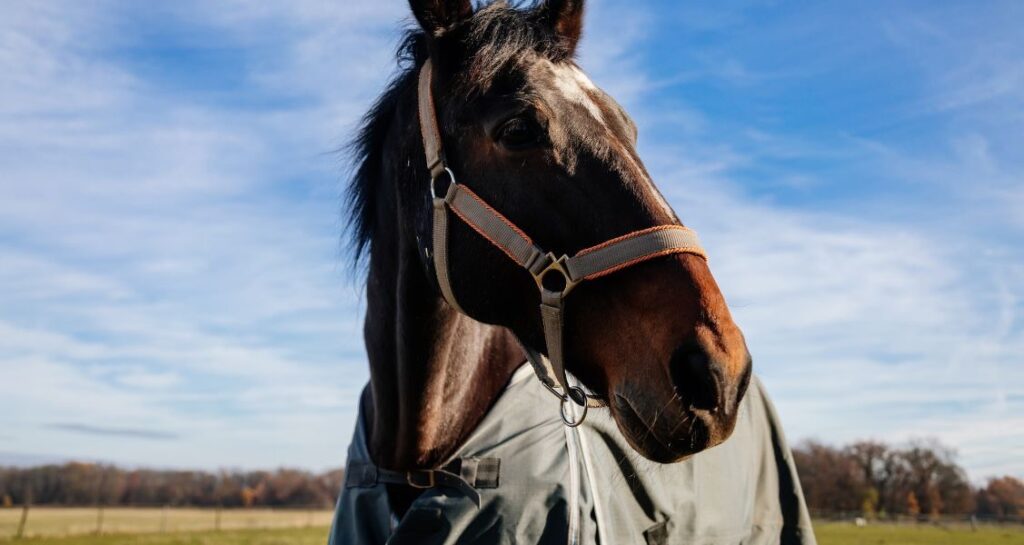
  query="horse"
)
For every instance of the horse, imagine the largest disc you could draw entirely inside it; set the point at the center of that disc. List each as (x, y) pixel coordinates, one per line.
(507, 223)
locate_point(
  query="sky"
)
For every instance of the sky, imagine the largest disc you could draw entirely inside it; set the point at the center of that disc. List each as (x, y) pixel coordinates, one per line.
(176, 290)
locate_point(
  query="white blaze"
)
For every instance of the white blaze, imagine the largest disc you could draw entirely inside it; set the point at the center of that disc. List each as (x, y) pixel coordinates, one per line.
(575, 86)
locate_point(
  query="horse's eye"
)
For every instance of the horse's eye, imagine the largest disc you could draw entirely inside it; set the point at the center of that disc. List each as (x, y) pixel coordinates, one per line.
(519, 133)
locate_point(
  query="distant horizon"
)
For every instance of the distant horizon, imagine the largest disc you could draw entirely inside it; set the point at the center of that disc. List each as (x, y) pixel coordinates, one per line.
(33, 460)
(177, 289)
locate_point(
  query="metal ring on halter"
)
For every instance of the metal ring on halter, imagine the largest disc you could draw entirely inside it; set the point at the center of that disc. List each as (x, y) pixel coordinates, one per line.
(451, 176)
(556, 265)
(570, 399)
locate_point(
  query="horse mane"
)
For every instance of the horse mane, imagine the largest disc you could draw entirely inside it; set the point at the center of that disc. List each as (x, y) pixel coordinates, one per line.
(496, 34)
(368, 146)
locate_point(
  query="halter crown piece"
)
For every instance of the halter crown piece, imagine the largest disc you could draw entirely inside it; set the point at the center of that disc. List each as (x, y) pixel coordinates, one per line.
(555, 276)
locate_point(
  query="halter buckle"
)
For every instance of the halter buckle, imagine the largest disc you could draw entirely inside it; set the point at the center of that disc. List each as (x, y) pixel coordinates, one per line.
(555, 264)
(410, 479)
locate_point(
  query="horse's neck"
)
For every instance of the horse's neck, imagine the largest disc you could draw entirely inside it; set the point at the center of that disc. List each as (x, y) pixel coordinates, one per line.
(434, 372)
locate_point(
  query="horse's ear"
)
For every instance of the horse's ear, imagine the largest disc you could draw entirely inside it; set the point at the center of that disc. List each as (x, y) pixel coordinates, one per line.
(566, 18)
(435, 16)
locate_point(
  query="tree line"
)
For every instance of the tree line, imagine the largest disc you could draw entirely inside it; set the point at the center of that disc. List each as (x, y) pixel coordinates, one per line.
(918, 480)
(866, 478)
(79, 484)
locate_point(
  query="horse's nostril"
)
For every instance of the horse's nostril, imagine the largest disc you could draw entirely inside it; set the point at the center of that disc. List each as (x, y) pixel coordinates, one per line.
(696, 378)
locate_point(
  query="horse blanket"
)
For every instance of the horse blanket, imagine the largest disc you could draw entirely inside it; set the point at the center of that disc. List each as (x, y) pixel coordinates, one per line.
(534, 480)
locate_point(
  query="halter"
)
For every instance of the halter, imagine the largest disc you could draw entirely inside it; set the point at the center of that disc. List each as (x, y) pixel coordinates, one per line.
(555, 276)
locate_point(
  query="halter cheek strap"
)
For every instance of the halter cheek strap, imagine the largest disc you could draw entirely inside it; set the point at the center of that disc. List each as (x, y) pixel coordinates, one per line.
(555, 276)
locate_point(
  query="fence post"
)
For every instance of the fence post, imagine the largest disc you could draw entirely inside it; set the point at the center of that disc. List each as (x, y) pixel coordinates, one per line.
(101, 482)
(217, 519)
(26, 503)
(99, 519)
(163, 520)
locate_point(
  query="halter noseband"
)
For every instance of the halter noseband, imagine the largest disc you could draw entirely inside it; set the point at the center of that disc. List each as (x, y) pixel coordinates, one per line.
(555, 276)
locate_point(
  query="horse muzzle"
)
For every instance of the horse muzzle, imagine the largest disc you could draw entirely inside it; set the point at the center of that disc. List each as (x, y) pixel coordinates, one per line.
(695, 409)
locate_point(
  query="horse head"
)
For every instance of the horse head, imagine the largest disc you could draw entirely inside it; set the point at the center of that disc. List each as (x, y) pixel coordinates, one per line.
(527, 131)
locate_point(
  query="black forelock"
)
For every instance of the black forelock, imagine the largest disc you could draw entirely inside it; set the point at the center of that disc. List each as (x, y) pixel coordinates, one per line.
(493, 37)
(497, 35)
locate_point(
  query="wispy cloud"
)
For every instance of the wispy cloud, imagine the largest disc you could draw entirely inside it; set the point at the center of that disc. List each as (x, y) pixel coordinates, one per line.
(173, 260)
(170, 215)
(877, 276)
(112, 432)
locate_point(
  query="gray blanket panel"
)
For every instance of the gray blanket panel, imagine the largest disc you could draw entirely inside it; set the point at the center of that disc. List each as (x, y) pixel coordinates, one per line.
(744, 491)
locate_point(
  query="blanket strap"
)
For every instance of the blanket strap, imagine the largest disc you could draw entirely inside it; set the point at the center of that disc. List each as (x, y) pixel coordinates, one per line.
(467, 475)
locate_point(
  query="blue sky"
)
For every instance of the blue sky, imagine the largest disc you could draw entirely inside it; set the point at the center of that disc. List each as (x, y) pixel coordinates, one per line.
(175, 291)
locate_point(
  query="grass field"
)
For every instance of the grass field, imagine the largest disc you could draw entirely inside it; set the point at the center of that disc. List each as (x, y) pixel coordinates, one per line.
(836, 533)
(56, 521)
(277, 536)
(55, 526)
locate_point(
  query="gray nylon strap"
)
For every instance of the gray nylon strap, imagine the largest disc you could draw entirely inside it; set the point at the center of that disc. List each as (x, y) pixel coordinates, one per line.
(441, 251)
(428, 123)
(553, 320)
(480, 472)
(545, 373)
(493, 226)
(464, 474)
(541, 366)
(631, 249)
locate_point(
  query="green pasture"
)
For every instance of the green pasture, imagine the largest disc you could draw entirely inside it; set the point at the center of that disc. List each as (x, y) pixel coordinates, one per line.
(74, 526)
(839, 533)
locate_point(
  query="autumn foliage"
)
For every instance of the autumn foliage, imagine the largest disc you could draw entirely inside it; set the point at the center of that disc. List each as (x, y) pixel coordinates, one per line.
(917, 480)
(98, 484)
(867, 478)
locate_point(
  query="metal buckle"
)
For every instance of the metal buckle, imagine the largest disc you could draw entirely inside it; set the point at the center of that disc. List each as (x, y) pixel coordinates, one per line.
(568, 398)
(451, 176)
(555, 264)
(410, 480)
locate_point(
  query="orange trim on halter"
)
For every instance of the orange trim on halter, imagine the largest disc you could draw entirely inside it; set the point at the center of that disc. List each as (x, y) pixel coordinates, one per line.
(633, 234)
(668, 251)
(499, 215)
(481, 232)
